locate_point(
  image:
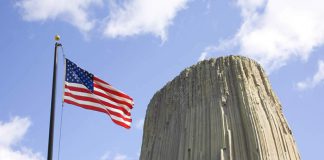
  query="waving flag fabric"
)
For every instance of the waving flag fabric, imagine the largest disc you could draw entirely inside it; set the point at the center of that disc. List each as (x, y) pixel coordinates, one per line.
(85, 90)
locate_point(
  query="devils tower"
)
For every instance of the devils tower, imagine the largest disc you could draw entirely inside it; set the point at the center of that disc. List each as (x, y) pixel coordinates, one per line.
(218, 109)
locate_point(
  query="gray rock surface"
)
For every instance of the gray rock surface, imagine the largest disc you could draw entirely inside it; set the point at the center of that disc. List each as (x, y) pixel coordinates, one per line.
(219, 109)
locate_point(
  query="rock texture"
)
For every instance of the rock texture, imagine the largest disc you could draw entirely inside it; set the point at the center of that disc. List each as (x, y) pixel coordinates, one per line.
(219, 109)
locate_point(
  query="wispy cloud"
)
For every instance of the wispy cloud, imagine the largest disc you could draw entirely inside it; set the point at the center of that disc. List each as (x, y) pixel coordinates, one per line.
(272, 32)
(139, 124)
(10, 134)
(317, 79)
(126, 18)
(203, 56)
(142, 17)
(119, 156)
(116, 156)
(105, 156)
(75, 12)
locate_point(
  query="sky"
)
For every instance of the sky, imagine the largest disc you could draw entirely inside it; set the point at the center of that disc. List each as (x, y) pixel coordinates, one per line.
(138, 46)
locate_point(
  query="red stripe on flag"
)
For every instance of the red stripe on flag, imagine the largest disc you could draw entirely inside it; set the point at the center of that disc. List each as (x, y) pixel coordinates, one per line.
(113, 99)
(100, 94)
(92, 99)
(99, 80)
(97, 109)
(89, 107)
(115, 91)
(77, 89)
(85, 106)
(112, 92)
(121, 124)
(98, 102)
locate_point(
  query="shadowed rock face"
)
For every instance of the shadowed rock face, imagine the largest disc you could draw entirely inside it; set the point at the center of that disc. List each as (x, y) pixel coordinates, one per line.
(219, 109)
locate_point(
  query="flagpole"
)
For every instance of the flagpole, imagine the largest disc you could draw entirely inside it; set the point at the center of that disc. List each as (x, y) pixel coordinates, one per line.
(52, 118)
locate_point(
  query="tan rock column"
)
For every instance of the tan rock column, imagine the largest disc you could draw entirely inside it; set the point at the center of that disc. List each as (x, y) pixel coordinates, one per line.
(219, 109)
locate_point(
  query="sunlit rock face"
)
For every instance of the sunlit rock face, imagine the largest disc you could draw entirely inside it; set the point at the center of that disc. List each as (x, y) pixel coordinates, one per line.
(218, 109)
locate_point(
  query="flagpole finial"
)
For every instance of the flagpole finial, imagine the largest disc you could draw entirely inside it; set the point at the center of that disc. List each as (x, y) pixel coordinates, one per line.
(57, 37)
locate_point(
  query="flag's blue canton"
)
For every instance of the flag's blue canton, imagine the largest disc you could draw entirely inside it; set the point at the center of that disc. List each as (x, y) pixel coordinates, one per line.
(75, 74)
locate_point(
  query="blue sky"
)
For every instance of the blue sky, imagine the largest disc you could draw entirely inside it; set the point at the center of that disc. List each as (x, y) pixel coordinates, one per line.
(140, 45)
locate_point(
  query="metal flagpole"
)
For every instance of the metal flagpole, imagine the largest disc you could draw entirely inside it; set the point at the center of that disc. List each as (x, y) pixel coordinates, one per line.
(52, 118)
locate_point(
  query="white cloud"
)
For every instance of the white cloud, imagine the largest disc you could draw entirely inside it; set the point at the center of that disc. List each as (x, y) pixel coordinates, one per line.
(317, 79)
(139, 124)
(126, 18)
(75, 12)
(207, 50)
(105, 156)
(117, 156)
(142, 17)
(203, 56)
(250, 7)
(10, 134)
(272, 32)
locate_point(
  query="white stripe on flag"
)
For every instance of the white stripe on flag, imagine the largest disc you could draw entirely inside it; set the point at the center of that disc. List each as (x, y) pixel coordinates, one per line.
(112, 88)
(103, 92)
(96, 95)
(98, 105)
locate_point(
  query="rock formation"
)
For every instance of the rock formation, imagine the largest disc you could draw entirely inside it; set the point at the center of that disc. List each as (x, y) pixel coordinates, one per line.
(219, 109)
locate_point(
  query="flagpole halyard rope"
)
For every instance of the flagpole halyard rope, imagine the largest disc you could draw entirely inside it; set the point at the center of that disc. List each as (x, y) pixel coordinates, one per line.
(59, 145)
(62, 109)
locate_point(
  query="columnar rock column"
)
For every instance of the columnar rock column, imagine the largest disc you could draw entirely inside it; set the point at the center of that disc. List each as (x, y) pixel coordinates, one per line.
(219, 109)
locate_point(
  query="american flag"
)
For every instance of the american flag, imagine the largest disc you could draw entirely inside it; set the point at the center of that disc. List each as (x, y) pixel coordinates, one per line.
(85, 90)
